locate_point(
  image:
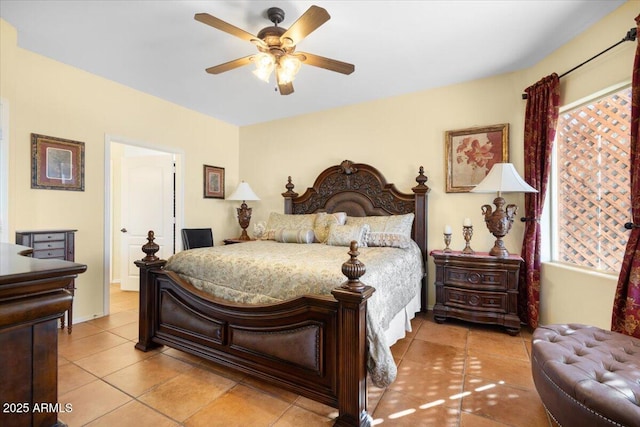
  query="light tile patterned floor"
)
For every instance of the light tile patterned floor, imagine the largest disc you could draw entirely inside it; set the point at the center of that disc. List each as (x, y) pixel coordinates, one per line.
(451, 374)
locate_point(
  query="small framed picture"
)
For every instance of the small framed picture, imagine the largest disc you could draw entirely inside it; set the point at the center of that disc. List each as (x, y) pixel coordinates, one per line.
(56, 163)
(470, 154)
(213, 182)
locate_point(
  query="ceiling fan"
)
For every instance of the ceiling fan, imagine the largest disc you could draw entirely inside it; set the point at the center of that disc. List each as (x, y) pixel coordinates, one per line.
(277, 47)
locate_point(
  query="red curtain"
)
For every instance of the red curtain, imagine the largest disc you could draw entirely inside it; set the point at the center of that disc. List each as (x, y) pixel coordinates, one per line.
(541, 117)
(626, 303)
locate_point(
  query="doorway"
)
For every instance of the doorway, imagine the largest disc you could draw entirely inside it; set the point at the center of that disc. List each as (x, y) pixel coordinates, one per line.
(143, 190)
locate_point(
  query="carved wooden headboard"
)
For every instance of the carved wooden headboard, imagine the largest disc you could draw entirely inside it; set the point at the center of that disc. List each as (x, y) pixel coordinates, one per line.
(361, 190)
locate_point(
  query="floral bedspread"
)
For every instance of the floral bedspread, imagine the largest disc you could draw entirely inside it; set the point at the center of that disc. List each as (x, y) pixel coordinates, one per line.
(260, 272)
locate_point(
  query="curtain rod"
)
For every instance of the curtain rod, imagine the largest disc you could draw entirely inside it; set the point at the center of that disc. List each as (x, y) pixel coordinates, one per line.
(630, 36)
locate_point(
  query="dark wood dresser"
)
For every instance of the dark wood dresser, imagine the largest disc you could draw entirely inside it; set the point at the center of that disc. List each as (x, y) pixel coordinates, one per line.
(477, 288)
(52, 244)
(33, 295)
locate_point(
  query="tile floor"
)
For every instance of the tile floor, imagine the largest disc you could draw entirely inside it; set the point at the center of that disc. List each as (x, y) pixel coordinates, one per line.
(452, 374)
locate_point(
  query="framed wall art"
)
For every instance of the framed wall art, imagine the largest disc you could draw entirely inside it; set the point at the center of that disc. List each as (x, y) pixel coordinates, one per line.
(56, 163)
(470, 154)
(213, 182)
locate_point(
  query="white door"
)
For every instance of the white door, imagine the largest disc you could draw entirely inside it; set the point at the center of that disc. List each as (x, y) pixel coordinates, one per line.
(146, 204)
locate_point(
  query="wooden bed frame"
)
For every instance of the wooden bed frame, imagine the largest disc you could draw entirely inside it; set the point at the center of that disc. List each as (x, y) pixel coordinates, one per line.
(313, 345)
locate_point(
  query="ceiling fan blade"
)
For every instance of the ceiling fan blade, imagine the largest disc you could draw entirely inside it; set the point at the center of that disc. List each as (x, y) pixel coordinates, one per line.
(327, 63)
(309, 21)
(217, 69)
(205, 18)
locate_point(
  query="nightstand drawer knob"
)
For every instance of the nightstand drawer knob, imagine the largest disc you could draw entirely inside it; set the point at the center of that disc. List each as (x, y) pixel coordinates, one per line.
(474, 278)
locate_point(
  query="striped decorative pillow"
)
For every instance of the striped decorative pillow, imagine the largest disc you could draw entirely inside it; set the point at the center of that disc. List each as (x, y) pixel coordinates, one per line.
(291, 235)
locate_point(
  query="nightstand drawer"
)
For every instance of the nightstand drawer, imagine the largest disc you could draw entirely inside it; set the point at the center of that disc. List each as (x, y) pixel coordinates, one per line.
(45, 237)
(494, 302)
(487, 279)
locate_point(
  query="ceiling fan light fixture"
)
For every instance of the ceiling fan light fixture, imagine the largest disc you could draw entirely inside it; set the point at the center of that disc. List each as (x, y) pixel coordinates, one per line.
(265, 63)
(288, 67)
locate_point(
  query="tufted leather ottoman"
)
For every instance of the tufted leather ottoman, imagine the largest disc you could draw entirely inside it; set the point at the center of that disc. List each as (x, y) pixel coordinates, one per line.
(587, 376)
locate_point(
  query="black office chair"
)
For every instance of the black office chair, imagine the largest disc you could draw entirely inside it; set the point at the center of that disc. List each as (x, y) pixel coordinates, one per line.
(197, 238)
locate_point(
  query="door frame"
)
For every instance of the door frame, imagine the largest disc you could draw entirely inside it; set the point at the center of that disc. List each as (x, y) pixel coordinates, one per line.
(4, 170)
(178, 154)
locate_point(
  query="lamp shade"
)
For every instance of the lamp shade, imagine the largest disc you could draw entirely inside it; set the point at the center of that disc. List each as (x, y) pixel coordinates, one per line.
(243, 192)
(503, 178)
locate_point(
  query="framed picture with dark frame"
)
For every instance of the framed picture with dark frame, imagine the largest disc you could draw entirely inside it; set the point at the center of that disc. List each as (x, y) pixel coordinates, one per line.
(470, 154)
(56, 163)
(213, 182)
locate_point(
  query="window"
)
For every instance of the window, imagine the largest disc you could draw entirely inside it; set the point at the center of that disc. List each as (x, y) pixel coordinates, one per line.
(592, 183)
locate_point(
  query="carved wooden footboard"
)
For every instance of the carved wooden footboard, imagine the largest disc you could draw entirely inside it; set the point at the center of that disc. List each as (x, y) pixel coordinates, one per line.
(314, 346)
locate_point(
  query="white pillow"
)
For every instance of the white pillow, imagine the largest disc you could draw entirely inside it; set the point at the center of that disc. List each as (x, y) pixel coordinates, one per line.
(400, 224)
(342, 235)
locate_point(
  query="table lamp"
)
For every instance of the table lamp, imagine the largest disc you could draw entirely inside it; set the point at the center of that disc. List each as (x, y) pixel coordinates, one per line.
(244, 193)
(502, 178)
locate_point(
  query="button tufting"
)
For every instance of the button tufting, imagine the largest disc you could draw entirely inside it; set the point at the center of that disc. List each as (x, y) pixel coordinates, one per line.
(591, 360)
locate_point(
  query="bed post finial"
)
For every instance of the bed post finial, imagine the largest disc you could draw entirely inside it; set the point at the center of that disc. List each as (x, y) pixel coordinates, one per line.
(353, 269)
(289, 186)
(150, 248)
(421, 179)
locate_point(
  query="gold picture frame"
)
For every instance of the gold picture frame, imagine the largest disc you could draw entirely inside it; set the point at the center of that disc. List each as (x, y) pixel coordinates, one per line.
(56, 163)
(213, 182)
(470, 153)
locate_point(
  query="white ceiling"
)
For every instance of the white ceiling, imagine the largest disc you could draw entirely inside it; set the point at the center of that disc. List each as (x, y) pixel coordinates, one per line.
(397, 46)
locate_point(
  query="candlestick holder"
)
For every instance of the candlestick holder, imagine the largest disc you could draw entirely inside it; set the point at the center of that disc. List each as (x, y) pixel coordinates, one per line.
(447, 242)
(467, 233)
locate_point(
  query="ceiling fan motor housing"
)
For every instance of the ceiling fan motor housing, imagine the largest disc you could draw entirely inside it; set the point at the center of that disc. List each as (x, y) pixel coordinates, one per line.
(275, 15)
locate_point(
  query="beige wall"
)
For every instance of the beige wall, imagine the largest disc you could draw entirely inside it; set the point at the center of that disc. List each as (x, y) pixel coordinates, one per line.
(397, 135)
(51, 98)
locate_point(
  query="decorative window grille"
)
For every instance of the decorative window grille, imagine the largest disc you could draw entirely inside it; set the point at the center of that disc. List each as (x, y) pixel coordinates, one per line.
(593, 182)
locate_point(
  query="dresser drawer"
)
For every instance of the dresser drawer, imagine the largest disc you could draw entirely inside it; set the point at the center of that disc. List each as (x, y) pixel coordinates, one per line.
(39, 246)
(487, 279)
(45, 237)
(494, 302)
(50, 253)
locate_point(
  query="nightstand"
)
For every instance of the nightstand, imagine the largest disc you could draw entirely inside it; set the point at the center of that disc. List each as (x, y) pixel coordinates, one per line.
(477, 288)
